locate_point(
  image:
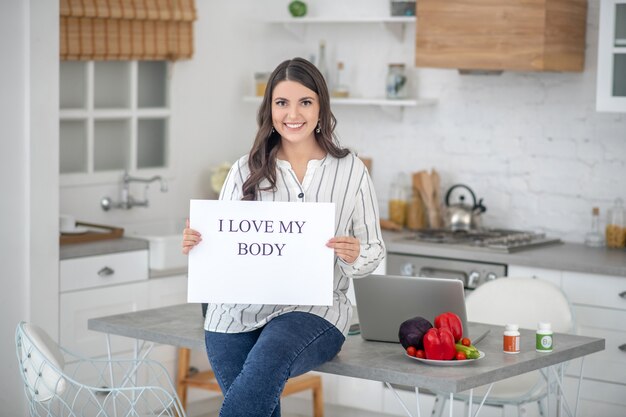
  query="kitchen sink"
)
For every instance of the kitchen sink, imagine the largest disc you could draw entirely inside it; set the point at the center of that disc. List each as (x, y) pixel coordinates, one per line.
(164, 237)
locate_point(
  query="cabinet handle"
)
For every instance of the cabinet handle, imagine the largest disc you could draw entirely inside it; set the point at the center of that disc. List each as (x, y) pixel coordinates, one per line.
(106, 271)
(622, 347)
(622, 294)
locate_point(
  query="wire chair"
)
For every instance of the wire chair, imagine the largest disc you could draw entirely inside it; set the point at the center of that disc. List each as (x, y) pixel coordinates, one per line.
(525, 301)
(59, 383)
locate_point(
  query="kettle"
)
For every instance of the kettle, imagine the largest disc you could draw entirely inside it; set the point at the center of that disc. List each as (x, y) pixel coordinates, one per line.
(461, 216)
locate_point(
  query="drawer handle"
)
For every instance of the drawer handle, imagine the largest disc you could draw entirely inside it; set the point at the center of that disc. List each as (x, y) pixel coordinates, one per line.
(622, 347)
(622, 294)
(106, 271)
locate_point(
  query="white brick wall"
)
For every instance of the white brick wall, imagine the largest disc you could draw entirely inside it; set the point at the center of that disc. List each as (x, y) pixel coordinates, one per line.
(530, 144)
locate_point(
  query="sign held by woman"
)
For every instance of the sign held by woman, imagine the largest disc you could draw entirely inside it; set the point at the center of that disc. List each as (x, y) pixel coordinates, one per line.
(256, 252)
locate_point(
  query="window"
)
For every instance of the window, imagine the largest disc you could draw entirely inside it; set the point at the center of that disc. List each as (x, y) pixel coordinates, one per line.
(114, 116)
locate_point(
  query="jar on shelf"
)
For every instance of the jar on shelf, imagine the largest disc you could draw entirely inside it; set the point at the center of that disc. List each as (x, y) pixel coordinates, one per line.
(340, 87)
(616, 225)
(260, 82)
(402, 7)
(396, 82)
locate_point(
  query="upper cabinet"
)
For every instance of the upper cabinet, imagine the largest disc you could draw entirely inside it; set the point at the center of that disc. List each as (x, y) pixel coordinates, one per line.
(518, 35)
(114, 117)
(611, 84)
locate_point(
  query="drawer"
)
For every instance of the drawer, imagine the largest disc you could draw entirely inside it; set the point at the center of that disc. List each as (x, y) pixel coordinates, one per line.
(99, 271)
(609, 364)
(551, 275)
(596, 398)
(591, 289)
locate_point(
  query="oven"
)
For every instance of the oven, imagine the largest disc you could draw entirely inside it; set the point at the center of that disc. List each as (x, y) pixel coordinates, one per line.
(471, 273)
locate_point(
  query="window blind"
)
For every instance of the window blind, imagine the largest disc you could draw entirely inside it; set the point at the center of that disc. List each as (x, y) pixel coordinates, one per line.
(126, 29)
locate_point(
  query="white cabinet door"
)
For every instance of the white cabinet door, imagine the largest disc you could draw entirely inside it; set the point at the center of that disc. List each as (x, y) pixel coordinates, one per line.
(597, 398)
(611, 76)
(551, 275)
(610, 364)
(168, 292)
(600, 311)
(359, 393)
(79, 306)
(599, 290)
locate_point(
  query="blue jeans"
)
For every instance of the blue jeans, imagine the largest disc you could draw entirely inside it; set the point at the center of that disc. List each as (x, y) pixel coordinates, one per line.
(253, 367)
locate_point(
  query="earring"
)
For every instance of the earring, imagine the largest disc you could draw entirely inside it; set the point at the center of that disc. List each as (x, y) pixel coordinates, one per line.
(272, 130)
(318, 129)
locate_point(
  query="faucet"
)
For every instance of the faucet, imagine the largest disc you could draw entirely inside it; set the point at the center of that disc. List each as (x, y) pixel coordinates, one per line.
(127, 201)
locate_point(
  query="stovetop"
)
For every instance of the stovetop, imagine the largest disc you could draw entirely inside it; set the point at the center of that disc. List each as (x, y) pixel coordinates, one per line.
(499, 240)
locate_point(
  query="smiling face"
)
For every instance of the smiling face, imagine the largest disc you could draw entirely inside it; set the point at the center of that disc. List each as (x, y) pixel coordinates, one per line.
(295, 112)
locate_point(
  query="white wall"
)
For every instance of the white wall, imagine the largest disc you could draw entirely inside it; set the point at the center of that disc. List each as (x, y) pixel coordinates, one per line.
(14, 186)
(530, 144)
(28, 181)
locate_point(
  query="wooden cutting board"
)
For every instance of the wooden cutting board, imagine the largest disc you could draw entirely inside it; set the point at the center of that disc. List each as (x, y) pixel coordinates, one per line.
(96, 232)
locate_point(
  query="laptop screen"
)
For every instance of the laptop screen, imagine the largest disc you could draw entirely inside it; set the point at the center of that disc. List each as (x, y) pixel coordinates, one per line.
(384, 301)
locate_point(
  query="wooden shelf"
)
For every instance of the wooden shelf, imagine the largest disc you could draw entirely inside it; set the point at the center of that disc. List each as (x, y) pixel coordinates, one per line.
(74, 114)
(389, 106)
(373, 19)
(297, 25)
(383, 102)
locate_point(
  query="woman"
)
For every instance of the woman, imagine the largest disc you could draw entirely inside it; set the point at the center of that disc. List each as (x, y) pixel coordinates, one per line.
(254, 349)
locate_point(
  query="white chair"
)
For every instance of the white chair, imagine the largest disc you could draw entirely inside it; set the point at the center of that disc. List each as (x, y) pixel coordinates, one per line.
(526, 302)
(59, 383)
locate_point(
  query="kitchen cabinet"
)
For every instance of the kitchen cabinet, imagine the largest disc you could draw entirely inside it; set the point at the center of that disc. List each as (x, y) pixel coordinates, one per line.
(533, 35)
(95, 286)
(86, 292)
(599, 303)
(114, 116)
(163, 292)
(101, 285)
(79, 306)
(611, 77)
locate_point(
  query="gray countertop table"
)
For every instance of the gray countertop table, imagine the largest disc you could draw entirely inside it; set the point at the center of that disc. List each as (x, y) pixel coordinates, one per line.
(102, 247)
(181, 325)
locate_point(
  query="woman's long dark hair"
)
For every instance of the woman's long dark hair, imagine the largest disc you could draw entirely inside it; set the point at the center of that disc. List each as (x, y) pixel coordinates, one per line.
(262, 158)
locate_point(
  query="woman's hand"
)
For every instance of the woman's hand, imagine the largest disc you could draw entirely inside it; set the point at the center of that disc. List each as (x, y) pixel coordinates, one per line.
(190, 238)
(347, 248)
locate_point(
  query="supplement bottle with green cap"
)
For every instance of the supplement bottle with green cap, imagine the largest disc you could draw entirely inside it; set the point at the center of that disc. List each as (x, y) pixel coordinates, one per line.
(544, 338)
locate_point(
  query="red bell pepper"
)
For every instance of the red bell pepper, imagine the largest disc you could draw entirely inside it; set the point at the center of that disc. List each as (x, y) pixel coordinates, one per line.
(439, 344)
(452, 322)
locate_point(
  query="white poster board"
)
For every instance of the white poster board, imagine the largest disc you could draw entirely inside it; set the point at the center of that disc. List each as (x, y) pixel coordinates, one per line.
(257, 252)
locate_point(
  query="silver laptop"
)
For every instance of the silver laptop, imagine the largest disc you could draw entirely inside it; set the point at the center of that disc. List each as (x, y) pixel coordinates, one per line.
(384, 301)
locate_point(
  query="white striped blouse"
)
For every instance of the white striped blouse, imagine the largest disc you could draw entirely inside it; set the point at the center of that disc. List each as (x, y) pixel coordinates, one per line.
(344, 182)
